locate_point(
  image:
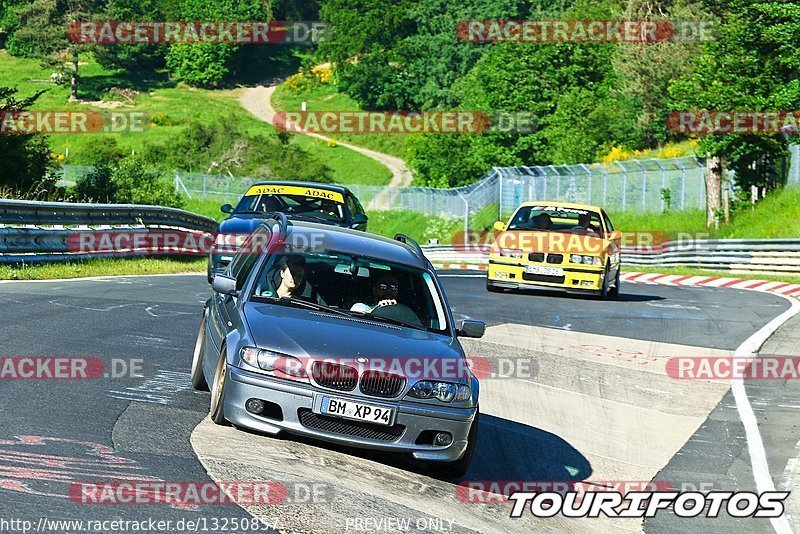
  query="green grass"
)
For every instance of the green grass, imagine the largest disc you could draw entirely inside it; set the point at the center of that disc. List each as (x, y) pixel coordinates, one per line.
(103, 267)
(179, 105)
(325, 97)
(693, 221)
(774, 217)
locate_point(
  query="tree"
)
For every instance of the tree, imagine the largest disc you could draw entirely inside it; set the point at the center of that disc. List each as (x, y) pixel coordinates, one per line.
(28, 166)
(42, 33)
(752, 64)
(645, 70)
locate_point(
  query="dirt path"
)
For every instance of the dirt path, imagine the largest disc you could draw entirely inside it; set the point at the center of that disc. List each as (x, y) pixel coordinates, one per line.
(257, 100)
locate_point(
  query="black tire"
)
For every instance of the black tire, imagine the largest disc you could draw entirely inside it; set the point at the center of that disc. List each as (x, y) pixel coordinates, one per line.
(491, 288)
(217, 409)
(198, 379)
(614, 291)
(604, 291)
(460, 467)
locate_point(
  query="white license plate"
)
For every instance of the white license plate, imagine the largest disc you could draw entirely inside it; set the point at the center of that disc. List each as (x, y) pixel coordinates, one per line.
(547, 271)
(357, 411)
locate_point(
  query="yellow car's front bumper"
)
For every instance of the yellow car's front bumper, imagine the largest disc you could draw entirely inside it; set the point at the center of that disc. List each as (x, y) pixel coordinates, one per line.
(507, 272)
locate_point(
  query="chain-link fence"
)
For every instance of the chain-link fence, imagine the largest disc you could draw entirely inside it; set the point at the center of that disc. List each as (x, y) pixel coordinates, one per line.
(651, 185)
(794, 168)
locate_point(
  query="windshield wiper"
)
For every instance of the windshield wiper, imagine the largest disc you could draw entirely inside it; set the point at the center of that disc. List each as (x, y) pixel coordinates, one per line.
(250, 212)
(379, 319)
(313, 305)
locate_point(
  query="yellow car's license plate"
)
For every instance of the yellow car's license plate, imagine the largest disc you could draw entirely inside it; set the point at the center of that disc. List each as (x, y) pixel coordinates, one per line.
(546, 271)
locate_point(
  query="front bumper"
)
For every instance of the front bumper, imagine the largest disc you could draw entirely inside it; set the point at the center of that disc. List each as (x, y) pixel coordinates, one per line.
(297, 398)
(511, 274)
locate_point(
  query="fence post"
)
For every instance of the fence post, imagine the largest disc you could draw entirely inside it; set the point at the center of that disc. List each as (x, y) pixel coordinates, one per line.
(466, 215)
(605, 184)
(624, 185)
(588, 182)
(500, 202)
(663, 183)
(680, 165)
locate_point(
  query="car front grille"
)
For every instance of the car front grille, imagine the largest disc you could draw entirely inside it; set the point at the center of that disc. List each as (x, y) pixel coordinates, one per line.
(357, 429)
(382, 384)
(543, 278)
(555, 258)
(334, 376)
(536, 256)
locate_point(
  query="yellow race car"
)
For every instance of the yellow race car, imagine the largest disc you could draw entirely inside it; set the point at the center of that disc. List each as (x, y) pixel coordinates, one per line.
(556, 245)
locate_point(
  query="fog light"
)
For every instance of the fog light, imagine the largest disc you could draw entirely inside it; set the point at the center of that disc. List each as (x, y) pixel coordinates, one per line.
(255, 406)
(442, 438)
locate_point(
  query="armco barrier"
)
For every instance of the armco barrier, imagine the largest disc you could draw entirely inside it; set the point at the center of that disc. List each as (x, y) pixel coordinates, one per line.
(754, 255)
(39, 231)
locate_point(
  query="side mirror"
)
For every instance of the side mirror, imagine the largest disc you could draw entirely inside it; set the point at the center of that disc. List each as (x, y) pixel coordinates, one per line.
(225, 284)
(500, 226)
(358, 220)
(615, 235)
(470, 328)
(227, 208)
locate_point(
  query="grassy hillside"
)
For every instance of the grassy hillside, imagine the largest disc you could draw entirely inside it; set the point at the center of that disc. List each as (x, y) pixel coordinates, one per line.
(325, 97)
(173, 105)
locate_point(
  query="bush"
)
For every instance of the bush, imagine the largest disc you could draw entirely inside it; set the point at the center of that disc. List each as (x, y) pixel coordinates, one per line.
(96, 186)
(136, 184)
(128, 181)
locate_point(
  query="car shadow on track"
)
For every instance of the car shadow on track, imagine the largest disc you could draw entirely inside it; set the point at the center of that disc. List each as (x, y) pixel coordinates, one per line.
(505, 451)
(622, 297)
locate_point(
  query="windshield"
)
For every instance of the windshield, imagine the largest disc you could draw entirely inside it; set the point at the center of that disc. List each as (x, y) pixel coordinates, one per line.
(355, 286)
(557, 219)
(298, 202)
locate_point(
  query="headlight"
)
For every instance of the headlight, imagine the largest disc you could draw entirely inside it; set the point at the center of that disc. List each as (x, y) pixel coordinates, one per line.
(444, 391)
(268, 360)
(511, 252)
(586, 260)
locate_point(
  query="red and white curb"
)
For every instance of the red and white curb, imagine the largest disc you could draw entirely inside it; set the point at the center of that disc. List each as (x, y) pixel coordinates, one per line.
(461, 266)
(782, 288)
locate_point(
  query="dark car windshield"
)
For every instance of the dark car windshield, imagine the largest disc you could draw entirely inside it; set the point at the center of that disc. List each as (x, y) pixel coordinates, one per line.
(300, 202)
(361, 287)
(557, 219)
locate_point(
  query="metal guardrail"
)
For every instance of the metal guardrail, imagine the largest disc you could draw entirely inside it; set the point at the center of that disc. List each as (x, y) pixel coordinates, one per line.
(26, 212)
(47, 231)
(755, 255)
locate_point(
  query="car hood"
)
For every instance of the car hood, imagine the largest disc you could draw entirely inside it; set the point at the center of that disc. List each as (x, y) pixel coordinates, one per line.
(244, 223)
(315, 335)
(560, 242)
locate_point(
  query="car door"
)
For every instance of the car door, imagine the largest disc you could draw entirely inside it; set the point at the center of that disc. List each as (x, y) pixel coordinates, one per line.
(614, 239)
(225, 312)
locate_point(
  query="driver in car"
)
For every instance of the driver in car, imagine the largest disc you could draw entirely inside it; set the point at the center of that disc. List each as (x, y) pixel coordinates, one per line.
(386, 290)
(585, 223)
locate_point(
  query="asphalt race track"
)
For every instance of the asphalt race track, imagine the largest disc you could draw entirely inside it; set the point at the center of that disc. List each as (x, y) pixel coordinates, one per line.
(595, 405)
